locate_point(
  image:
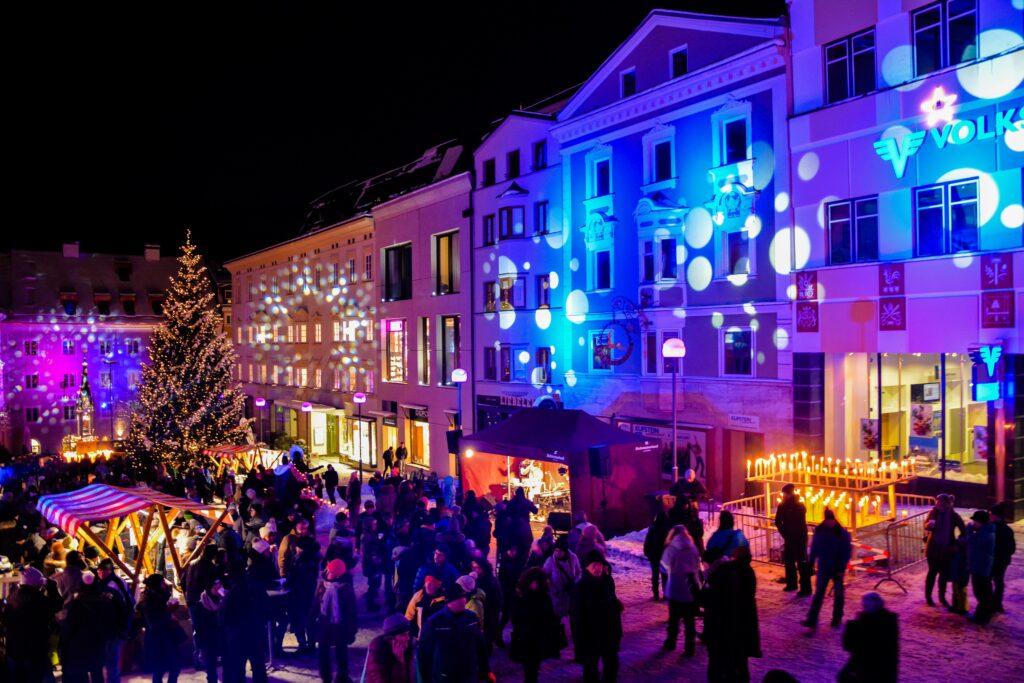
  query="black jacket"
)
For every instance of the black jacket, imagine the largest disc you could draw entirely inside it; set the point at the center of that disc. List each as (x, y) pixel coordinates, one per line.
(451, 648)
(730, 610)
(791, 520)
(657, 534)
(1006, 545)
(595, 614)
(872, 639)
(28, 621)
(536, 631)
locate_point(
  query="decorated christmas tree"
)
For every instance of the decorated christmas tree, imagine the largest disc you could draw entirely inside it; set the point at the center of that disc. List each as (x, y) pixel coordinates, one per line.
(187, 399)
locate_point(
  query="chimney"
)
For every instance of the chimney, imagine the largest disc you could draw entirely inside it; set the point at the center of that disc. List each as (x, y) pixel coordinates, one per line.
(152, 252)
(71, 250)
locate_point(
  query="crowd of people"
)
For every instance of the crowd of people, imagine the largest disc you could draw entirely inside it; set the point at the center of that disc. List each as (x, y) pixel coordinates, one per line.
(424, 551)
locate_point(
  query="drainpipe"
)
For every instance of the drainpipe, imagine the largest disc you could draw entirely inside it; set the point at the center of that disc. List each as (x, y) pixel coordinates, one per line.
(472, 290)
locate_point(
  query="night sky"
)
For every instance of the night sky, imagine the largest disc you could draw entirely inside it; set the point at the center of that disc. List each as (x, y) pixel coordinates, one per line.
(129, 126)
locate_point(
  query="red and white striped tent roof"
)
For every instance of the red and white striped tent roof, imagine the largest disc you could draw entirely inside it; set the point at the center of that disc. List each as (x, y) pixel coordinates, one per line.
(102, 502)
(228, 450)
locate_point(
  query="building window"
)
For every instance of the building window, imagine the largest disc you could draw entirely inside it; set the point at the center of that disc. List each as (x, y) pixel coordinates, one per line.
(302, 331)
(133, 379)
(490, 296)
(600, 351)
(491, 363)
(105, 380)
(511, 222)
(628, 82)
(398, 272)
(251, 287)
(69, 381)
(853, 231)
(543, 291)
(488, 174)
(850, 67)
(318, 333)
(654, 362)
(947, 218)
(336, 332)
(601, 177)
(663, 161)
(31, 381)
(542, 358)
(103, 306)
(31, 348)
(488, 227)
(273, 283)
(734, 140)
(69, 302)
(668, 259)
(289, 376)
(128, 305)
(156, 303)
(318, 377)
(446, 263)
(945, 34)
(302, 377)
(368, 267)
(352, 275)
(69, 412)
(394, 350)
(506, 363)
(540, 155)
(647, 262)
(31, 414)
(678, 60)
(105, 347)
(540, 218)
(275, 376)
(353, 379)
(133, 346)
(603, 269)
(512, 164)
(738, 352)
(450, 347)
(291, 333)
(735, 257)
(68, 347)
(424, 350)
(513, 293)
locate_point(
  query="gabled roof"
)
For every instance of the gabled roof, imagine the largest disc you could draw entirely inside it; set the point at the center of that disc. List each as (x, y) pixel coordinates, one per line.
(744, 26)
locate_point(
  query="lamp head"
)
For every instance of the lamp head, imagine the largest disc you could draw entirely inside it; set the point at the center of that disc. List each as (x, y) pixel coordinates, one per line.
(359, 397)
(260, 402)
(307, 407)
(673, 348)
(459, 375)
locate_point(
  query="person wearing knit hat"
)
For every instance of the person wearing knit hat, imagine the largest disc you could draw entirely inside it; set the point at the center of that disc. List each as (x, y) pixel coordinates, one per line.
(337, 625)
(451, 645)
(981, 547)
(30, 576)
(872, 639)
(390, 655)
(595, 615)
(261, 546)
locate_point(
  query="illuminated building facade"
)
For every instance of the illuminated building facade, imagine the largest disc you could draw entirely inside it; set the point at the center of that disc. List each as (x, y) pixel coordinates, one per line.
(519, 264)
(671, 155)
(907, 145)
(424, 323)
(68, 313)
(302, 316)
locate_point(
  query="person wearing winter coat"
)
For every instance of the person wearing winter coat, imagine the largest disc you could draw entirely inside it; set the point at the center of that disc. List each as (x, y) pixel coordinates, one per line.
(425, 603)
(981, 546)
(481, 570)
(84, 633)
(873, 641)
(211, 602)
(390, 657)
(959, 577)
(197, 578)
(563, 569)
(832, 548)
(164, 635)
(122, 607)
(681, 564)
(440, 567)
(537, 633)
(451, 645)
(591, 540)
(791, 521)
(28, 622)
(244, 614)
(476, 600)
(1006, 546)
(654, 546)
(727, 537)
(942, 524)
(331, 483)
(596, 620)
(510, 566)
(336, 620)
(731, 630)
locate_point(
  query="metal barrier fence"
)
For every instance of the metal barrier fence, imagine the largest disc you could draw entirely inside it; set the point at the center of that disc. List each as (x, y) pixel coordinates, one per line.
(904, 544)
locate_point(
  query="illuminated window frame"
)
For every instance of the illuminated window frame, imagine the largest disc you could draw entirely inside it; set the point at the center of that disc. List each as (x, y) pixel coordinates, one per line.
(449, 347)
(946, 207)
(723, 334)
(720, 120)
(395, 346)
(859, 221)
(943, 25)
(854, 49)
(660, 135)
(673, 71)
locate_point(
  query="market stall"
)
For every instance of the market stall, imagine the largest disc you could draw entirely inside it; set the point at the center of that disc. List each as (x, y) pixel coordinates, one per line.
(242, 458)
(566, 461)
(143, 513)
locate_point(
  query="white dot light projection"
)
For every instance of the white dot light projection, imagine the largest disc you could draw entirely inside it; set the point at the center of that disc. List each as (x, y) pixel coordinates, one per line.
(1012, 216)
(576, 307)
(808, 166)
(998, 77)
(699, 273)
(699, 228)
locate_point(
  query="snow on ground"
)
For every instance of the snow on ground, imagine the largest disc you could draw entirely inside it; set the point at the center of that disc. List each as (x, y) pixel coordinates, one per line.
(935, 647)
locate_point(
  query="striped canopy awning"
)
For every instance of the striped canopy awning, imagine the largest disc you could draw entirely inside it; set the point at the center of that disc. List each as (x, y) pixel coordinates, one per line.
(226, 450)
(102, 502)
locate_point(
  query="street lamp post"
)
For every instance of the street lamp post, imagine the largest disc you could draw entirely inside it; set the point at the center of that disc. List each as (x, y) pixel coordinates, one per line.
(674, 349)
(260, 403)
(359, 398)
(459, 377)
(307, 408)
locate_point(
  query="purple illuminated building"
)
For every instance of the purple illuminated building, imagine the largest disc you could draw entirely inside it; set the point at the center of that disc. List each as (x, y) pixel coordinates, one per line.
(63, 309)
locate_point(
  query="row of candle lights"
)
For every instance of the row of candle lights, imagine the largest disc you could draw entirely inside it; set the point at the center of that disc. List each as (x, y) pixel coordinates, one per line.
(828, 471)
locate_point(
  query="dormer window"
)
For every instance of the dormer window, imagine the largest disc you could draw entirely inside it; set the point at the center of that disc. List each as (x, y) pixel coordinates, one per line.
(628, 83)
(488, 173)
(128, 304)
(102, 300)
(512, 164)
(678, 62)
(156, 303)
(69, 302)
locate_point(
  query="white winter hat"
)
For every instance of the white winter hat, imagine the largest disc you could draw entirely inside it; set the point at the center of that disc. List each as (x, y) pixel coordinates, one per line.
(467, 582)
(261, 546)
